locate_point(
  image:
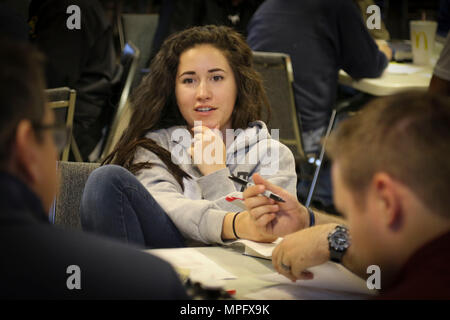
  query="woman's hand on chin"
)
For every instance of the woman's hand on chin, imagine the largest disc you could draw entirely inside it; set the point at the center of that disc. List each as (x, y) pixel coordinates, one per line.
(208, 150)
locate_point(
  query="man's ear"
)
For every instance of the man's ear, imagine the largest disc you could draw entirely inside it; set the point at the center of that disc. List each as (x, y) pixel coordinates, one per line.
(388, 202)
(25, 152)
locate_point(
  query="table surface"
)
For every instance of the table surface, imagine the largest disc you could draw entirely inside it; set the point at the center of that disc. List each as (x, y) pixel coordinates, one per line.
(389, 83)
(248, 271)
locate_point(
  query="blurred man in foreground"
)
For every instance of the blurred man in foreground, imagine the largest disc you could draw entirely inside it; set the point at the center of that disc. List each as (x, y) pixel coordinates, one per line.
(391, 174)
(38, 260)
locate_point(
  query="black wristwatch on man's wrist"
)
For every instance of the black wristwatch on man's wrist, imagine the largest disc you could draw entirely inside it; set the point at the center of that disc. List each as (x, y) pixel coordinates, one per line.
(338, 242)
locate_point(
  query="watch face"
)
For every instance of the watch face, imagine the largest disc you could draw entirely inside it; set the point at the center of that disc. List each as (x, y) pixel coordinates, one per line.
(339, 240)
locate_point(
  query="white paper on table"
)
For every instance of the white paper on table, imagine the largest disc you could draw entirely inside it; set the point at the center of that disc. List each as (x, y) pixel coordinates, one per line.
(256, 249)
(288, 292)
(395, 68)
(330, 276)
(197, 263)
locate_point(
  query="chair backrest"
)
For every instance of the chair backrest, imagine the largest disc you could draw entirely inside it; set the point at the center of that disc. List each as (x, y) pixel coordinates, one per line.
(129, 61)
(140, 29)
(73, 176)
(276, 71)
(62, 101)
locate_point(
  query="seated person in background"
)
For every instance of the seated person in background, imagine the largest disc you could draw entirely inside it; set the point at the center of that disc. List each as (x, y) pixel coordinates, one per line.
(82, 59)
(12, 24)
(321, 37)
(443, 19)
(440, 82)
(35, 256)
(195, 122)
(177, 15)
(392, 176)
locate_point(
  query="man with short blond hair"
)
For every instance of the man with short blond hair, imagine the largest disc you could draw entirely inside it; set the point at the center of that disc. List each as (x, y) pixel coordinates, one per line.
(391, 175)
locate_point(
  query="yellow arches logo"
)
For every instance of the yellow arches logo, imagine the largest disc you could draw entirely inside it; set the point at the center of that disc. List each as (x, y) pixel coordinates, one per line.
(417, 36)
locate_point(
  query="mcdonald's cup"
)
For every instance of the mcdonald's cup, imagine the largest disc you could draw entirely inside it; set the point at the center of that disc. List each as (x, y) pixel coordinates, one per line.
(422, 40)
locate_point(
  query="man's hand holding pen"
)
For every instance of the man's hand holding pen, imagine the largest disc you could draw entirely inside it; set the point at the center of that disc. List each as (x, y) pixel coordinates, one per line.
(265, 219)
(276, 218)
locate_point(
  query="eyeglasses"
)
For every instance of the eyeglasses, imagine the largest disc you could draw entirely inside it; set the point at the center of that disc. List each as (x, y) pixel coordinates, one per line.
(61, 134)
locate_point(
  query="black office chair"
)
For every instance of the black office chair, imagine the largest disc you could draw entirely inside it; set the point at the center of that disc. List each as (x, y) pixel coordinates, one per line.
(73, 177)
(276, 71)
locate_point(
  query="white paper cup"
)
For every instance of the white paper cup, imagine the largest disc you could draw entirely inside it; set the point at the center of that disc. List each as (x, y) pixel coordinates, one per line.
(422, 40)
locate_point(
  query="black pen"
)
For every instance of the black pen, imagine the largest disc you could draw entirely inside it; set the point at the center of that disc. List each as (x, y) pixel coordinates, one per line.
(267, 193)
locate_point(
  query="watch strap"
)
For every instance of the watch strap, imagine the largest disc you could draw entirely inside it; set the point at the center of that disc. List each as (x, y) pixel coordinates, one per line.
(337, 255)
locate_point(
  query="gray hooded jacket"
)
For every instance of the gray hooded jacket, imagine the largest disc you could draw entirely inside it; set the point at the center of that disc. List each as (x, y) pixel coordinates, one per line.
(198, 211)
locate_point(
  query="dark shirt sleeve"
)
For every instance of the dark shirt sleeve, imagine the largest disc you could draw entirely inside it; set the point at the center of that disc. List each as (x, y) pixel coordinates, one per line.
(358, 52)
(35, 267)
(443, 18)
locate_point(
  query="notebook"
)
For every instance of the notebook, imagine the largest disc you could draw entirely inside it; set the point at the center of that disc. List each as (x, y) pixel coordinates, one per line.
(256, 249)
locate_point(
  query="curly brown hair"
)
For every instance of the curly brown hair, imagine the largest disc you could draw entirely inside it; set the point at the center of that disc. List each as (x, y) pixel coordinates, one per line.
(154, 102)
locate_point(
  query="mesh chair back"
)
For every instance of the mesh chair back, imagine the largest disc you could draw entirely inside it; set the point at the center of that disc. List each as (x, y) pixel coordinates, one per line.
(276, 71)
(140, 29)
(73, 177)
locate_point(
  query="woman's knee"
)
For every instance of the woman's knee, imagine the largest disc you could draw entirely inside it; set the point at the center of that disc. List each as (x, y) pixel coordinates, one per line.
(104, 184)
(109, 173)
(108, 179)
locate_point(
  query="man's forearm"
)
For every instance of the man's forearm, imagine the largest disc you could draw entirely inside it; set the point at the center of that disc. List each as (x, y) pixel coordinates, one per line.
(352, 263)
(324, 218)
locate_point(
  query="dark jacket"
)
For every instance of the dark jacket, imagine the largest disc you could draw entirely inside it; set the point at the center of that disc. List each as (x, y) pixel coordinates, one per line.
(35, 257)
(321, 37)
(82, 59)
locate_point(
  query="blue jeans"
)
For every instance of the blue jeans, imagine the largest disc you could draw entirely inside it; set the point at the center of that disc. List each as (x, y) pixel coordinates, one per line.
(117, 205)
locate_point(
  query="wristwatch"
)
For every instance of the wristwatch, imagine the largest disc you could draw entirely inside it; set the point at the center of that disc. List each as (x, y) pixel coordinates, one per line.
(338, 241)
